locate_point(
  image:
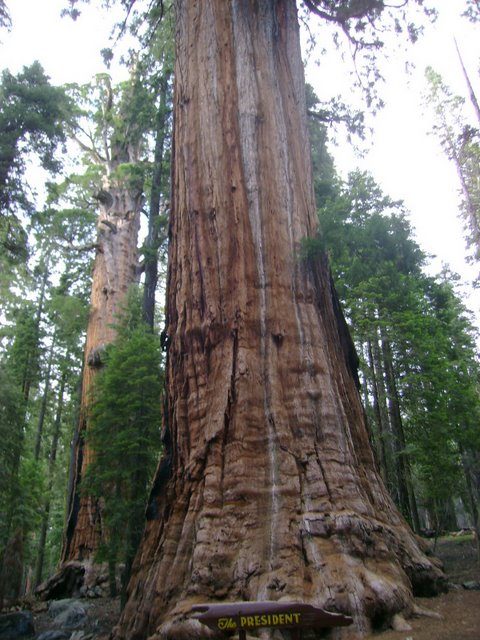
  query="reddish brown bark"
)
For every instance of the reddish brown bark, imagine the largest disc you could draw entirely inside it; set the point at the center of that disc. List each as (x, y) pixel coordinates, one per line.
(267, 489)
(115, 269)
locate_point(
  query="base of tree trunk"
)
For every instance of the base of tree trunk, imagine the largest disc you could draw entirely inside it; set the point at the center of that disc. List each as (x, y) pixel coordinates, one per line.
(66, 583)
(76, 579)
(343, 563)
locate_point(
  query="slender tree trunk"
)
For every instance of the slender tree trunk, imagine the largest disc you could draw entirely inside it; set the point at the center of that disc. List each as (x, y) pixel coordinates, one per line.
(72, 497)
(471, 208)
(115, 269)
(11, 544)
(134, 529)
(408, 503)
(471, 91)
(449, 520)
(11, 559)
(472, 499)
(268, 487)
(154, 236)
(43, 406)
(381, 430)
(371, 423)
(379, 375)
(33, 353)
(51, 470)
(471, 211)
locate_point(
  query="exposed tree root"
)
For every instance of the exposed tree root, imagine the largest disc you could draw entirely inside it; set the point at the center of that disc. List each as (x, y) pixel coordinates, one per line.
(399, 623)
(63, 584)
(426, 613)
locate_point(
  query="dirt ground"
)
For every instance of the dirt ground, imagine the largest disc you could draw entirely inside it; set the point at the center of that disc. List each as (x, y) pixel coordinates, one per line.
(460, 609)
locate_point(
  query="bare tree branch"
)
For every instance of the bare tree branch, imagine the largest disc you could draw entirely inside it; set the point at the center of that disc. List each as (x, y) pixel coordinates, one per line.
(90, 150)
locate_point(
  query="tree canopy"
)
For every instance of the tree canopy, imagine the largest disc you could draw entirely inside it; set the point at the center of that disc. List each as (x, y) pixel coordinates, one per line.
(33, 117)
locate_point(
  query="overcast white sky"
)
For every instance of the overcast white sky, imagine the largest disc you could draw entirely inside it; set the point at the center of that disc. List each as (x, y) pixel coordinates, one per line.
(403, 158)
(69, 51)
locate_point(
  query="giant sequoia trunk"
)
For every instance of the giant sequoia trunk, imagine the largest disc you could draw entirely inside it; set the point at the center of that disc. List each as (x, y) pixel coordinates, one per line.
(267, 489)
(115, 269)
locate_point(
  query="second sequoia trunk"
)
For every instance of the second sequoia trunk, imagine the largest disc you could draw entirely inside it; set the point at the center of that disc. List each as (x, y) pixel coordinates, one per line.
(114, 271)
(268, 489)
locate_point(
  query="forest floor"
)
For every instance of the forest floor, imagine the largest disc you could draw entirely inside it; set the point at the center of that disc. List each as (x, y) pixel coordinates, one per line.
(102, 616)
(460, 608)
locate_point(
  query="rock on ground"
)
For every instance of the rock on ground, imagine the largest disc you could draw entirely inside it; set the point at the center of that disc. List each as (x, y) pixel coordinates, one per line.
(16, 625)
(57, 607)
(54, 635)
(101, 616)
(71, 616)
(471, 585)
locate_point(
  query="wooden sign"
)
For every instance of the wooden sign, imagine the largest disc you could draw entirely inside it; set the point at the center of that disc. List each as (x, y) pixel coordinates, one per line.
(247, 616)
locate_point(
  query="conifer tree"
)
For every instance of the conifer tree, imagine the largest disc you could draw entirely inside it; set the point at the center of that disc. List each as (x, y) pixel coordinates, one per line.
(33, 115)
(418, 349)
(5, 20)
(125, 435)
(460, 141)
(11, 445)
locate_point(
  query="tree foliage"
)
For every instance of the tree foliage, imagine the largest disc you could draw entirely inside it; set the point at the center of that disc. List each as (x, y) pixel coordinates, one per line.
(33, 114)
(460, 141)
(359, 19)
(472, 11)
(413, 327)
(11, 437)
(5, 20)
(125, 432)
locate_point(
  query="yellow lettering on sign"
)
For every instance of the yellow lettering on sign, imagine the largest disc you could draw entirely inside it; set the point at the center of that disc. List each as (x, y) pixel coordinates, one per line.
(226, 623)
(260, 620)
